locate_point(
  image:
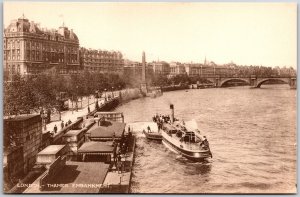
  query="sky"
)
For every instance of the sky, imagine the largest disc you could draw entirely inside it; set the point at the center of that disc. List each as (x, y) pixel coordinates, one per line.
(243, 33)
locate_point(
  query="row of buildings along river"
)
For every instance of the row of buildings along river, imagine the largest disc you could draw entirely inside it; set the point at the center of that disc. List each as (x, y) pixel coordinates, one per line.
(30, 49)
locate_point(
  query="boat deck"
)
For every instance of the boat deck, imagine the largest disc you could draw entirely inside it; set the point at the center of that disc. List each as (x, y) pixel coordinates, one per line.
(187, 145)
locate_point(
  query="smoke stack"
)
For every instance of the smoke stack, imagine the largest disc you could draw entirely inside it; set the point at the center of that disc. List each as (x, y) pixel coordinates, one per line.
(172, 112)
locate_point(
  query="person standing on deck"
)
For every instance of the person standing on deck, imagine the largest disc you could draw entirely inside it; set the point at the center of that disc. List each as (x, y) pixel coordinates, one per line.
(149, 129)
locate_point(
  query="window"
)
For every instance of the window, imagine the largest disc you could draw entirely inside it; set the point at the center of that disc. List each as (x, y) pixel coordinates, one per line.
(28, 54)
(33, 55)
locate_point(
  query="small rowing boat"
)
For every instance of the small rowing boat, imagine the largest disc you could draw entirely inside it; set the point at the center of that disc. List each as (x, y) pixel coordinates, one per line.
(153, 135)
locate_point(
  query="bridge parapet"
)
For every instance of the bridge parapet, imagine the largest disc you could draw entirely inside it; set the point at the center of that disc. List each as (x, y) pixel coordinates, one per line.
(252, 80)
(292, 81)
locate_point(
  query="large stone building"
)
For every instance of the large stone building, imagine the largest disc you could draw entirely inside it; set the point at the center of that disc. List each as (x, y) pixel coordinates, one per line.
(160, 68)
(133, 69)
(207, 70)
(192, 69)
(28, 49)
(176, 68)
(102, 61)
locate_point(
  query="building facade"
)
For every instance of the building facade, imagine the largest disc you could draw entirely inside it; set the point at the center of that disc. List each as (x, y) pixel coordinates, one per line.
(177, 68)
(192, 70)
(102, 61)
(133, 69)
(28, 49)
(160, 68)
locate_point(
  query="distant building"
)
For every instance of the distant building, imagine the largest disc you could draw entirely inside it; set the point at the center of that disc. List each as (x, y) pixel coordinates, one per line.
(192, 69)
(132, 68)
(28, 49)
(23, 131)
(207, 70)
(177, 68)
(102, 61)
(160, 68)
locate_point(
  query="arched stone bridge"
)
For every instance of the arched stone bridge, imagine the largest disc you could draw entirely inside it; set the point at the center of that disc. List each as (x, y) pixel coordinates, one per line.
(253, 81)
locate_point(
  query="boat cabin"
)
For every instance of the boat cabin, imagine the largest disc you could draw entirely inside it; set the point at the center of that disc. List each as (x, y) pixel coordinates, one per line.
(182, 133)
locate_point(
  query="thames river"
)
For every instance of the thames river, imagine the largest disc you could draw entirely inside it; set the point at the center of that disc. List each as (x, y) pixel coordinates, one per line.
(252, 135)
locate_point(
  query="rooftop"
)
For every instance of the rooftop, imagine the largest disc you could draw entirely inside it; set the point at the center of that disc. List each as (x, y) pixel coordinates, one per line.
(96, 147)
(52, 149)
(72, 133)
(75, 177)
(107, 130)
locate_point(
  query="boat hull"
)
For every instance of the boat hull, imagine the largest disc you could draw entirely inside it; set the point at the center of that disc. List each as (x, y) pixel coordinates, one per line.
(193, 155)
(153, 136)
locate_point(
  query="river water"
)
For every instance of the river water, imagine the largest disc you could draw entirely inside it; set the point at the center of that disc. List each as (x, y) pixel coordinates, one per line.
(252, 135)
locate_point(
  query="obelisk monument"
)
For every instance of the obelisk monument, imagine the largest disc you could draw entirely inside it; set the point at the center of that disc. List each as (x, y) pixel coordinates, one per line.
(144, 83)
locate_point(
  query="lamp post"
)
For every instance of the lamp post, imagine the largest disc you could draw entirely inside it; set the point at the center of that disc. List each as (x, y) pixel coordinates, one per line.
(105, 95)
(44, 116)
(112, 92)
(119, 91)
(77, 98)
(96, 104)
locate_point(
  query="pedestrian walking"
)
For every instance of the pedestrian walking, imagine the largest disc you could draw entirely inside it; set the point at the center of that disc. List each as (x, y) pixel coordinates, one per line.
(62, 124)
(55, 128)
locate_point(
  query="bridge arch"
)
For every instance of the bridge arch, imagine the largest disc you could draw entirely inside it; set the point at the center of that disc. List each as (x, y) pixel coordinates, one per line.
(210, 80)
(234, 79)
(260, 82)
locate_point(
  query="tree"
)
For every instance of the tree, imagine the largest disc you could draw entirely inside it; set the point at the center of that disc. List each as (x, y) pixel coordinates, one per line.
(19, 97)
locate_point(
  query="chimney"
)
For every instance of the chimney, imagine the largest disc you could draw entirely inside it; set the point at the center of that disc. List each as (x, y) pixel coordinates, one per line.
(172, 112)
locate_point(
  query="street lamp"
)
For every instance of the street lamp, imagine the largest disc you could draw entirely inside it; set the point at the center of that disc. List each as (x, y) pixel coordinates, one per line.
(44, 117)
(105, 94)
(112, 92)
(76, 98)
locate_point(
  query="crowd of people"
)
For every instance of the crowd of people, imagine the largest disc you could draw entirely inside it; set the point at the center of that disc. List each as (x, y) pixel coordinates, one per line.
(123, 148)
(62, 125)
(160, 119)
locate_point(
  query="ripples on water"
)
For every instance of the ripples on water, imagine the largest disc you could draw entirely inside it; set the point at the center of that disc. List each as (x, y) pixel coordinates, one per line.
(252, 134)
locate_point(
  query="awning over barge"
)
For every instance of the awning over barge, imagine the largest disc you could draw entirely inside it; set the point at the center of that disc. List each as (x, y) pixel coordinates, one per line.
(96, 148)
(107, 130)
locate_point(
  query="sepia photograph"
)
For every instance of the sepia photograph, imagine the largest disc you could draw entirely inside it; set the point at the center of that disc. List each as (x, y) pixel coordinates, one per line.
(149, 97)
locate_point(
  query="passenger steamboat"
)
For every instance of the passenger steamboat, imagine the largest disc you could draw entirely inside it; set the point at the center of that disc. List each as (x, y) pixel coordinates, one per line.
(184, 138)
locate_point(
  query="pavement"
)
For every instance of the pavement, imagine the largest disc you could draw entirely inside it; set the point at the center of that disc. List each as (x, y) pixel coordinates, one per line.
(71, 115)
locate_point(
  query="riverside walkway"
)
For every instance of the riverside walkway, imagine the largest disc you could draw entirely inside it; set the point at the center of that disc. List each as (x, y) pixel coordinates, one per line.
(72, 116)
